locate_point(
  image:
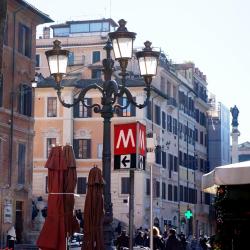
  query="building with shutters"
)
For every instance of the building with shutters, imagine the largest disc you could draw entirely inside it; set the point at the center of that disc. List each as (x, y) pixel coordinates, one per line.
(16, 118)
(176, 115)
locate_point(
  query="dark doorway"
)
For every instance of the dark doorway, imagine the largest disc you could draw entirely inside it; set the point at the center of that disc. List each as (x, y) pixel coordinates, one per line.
(19, 221)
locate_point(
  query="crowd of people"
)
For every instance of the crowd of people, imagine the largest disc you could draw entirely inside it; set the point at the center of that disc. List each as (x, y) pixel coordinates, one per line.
(169, 240)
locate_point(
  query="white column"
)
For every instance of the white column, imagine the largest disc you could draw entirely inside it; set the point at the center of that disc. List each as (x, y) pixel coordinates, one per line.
(235, 134)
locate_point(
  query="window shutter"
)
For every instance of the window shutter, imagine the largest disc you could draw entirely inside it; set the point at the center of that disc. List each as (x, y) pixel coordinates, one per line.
(163, 120)
(76, 148)
(164, 156)
(76, 110)
(89, 110)
(88, 148)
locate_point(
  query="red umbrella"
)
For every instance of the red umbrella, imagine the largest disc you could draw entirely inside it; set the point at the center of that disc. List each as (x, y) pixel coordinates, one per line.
(94, 212)
(70, 180)
(53, 234)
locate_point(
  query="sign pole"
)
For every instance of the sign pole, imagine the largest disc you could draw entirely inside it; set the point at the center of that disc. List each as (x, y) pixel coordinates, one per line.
(131, 209)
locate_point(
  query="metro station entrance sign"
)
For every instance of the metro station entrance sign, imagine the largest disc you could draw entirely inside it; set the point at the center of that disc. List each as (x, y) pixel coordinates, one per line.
(129, 146)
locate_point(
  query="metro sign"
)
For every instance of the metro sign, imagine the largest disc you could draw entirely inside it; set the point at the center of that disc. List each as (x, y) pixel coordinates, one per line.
(129, 144)
(129, 138)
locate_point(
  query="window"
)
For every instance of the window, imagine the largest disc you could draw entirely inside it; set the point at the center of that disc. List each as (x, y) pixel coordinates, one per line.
(175, 193)
(169, 123)
(96, 56)
(157, 189)
(125, 183)
(80, 111)
(158, 154)
(38, 61)
(181, 193)
(71, 59)
(95, 27)
(63, 31)
(50, 142)
(185, 194)
(149, 110)
(127, 112)
(163, 191)
(174, 126)
(170, 192)
(24, 40)
(164, 159)
(170, 162)
(79, 27)
(196, 134)
(25, 100)
(207, 199)
(21, 163)
(201, 137)
(157, 115)
(96, 74)
(51, 106)
(147, 186)
(175, 164)
(163, 119)
(82, 148)
(81, 185)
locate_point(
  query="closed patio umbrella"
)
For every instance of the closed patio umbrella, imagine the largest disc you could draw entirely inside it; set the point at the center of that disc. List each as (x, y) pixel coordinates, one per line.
(70, 180)
(94, 212)
(53, 234)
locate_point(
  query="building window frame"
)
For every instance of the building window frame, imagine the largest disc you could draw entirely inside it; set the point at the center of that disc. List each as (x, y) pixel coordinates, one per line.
(51, 106)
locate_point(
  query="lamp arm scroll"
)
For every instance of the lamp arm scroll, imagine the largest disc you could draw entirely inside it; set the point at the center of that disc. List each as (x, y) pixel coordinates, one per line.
(97, 107)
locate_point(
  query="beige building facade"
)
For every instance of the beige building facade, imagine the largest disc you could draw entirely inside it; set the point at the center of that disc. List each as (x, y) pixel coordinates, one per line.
(180, 150)
(16, 118)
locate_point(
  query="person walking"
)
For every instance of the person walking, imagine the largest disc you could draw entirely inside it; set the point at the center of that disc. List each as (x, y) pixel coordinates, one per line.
(157, 240)
(122, 240)
(172, 242)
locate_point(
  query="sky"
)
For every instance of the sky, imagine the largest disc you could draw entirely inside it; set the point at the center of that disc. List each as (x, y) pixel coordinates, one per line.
(214, 34)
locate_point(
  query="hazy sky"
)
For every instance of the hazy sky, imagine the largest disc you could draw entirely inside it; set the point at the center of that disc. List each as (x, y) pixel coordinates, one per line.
(214, 34)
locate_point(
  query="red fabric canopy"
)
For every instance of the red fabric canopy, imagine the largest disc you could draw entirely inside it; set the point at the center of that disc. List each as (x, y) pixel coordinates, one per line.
(94, 212)
(61, 179)
(70, 180)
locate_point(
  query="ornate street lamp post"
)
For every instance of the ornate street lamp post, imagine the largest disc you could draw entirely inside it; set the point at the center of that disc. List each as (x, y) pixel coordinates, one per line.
(121, 41)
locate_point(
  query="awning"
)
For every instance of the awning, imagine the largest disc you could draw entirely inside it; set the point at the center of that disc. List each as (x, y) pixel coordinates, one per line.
(232, 174)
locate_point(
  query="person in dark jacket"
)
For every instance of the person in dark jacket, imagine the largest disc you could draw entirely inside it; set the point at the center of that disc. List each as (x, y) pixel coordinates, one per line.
(122, 240)
(157, 239)
(139, 240)
(172, 242)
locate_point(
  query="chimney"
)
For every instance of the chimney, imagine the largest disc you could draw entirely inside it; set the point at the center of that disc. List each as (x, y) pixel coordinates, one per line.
(46, 32)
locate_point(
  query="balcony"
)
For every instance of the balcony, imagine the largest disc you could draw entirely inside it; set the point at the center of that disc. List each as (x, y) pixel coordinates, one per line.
(171, 102)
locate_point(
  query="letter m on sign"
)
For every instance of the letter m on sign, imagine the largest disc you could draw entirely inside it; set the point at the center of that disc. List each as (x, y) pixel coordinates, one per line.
(125, 139)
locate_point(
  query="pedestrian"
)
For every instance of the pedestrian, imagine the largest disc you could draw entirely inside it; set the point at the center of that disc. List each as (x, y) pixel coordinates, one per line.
(139, 240)
(193, 243)
(146, 238)
(183, 241)
(157, 240)
(11, 237)
(172, 243)
(203, 243)
(122, 240)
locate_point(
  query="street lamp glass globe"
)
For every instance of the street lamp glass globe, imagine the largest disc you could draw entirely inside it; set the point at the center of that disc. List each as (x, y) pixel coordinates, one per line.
(58, 64)
(148, 60)
(57, 60)
(122, 41)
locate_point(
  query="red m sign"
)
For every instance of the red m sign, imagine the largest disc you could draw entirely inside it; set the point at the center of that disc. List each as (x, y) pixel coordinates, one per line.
(129, 138)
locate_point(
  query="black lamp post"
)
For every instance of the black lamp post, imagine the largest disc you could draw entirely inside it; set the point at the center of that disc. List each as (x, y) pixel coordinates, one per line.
(110, 90)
